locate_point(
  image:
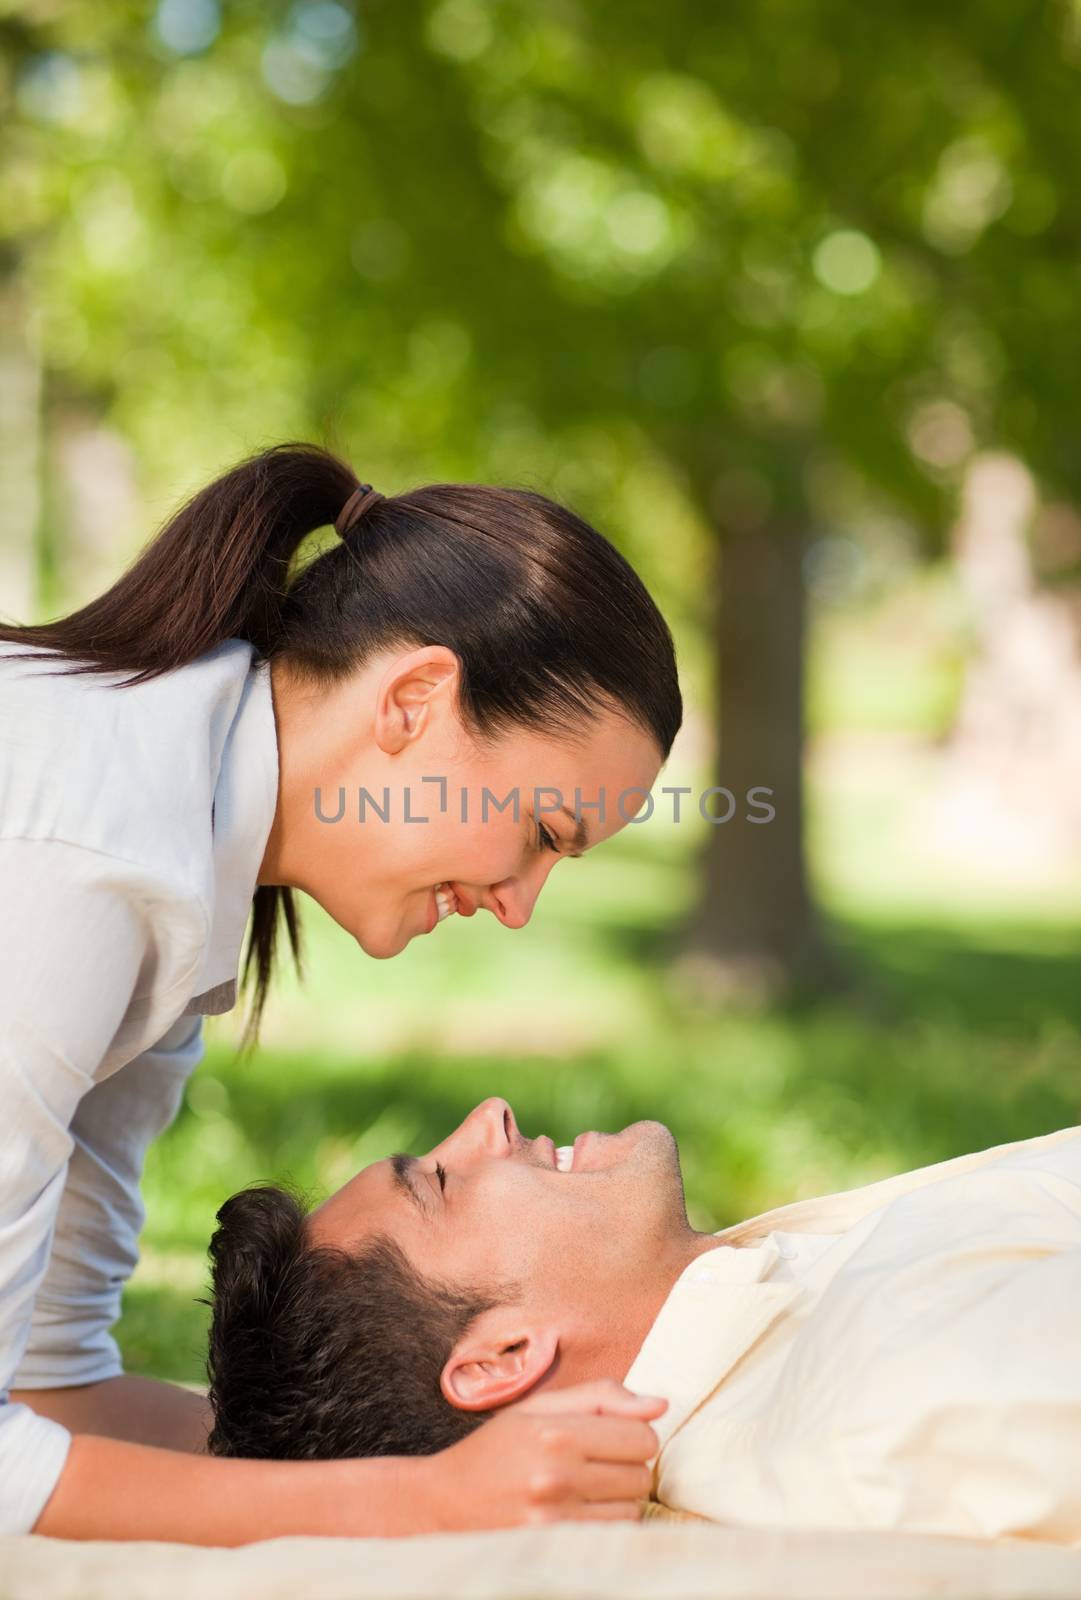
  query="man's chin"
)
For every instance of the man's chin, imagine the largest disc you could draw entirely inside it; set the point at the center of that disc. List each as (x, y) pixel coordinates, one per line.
(656, 1156)
(647, 1144)
(654, 1141)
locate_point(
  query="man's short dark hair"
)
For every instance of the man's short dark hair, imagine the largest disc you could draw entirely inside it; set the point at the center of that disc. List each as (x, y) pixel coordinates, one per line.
(318, 1353)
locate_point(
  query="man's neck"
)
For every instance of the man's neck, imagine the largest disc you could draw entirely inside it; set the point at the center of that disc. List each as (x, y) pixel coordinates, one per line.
(608, 1349)
(674, 1264)
(648, 1294)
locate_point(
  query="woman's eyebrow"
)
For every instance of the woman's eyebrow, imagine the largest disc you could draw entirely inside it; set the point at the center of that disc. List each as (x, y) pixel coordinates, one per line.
(404, 1169)
(581, 837)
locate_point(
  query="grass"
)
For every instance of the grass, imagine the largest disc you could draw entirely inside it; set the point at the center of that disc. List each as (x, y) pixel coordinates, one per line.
(966, 1033)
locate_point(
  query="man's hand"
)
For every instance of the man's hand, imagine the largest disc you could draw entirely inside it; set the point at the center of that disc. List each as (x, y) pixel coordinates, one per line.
(576, 1454)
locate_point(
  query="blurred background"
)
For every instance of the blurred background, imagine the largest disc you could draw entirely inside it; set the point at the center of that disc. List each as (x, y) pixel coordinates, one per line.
(785, 300)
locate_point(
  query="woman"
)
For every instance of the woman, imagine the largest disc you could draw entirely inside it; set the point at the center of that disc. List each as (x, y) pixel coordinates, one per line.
(195, 745)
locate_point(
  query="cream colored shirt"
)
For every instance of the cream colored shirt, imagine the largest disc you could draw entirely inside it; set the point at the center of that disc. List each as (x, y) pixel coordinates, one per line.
(906, 1356)
(133, 821)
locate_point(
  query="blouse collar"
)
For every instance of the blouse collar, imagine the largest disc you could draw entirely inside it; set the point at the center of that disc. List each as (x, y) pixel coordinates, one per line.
(245, 798)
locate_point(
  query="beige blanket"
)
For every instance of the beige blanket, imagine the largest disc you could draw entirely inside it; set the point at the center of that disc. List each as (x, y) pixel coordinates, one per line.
(573, 1561)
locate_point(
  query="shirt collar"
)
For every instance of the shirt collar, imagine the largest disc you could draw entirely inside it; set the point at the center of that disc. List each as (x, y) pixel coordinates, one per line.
(245, 798)
(719, 1305)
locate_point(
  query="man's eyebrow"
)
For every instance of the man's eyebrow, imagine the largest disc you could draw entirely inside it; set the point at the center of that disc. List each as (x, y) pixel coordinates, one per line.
(404, 1169)
(581, 837)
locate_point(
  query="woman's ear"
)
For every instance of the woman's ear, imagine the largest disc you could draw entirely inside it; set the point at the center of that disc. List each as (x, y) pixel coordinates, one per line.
(403, 701)
(497, 1363)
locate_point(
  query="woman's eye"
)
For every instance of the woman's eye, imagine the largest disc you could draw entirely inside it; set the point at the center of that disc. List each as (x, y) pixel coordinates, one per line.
(441, 1174)
(547, 840)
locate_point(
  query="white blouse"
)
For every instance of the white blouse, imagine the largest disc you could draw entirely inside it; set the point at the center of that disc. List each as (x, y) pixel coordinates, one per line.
(133, 822)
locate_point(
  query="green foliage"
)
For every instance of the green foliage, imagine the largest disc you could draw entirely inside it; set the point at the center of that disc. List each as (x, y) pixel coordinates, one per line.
(799, 259)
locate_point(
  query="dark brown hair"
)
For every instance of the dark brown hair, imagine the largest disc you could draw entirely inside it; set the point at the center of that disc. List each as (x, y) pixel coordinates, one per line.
(544, 614)
(316, 1353)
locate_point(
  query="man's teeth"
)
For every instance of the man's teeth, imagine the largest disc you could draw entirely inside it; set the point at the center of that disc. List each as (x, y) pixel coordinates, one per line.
(564, 1157)
(445, 902)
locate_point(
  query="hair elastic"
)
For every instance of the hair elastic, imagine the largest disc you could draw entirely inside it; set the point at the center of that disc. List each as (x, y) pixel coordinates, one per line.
(361, 500)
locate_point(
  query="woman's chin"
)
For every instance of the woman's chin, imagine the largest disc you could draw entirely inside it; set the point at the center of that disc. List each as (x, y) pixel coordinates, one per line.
(381, 946)
(384, 938)
(381, 949)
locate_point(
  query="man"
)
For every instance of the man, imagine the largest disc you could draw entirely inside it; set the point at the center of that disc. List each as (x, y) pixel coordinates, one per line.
(904, 1356)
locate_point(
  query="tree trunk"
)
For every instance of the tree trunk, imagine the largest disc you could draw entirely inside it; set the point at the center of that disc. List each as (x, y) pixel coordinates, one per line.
(755, 934)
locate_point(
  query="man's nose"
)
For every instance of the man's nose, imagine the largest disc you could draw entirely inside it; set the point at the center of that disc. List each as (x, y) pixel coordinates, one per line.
(489, 1131)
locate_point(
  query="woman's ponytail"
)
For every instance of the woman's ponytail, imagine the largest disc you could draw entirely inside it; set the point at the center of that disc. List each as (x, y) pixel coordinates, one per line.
(217, 570)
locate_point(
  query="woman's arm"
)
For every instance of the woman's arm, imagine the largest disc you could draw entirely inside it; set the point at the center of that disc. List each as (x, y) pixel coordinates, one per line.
(70, 1368)
(111, 1489)
(95, 1236)
(532, 1463)
(136, 1410)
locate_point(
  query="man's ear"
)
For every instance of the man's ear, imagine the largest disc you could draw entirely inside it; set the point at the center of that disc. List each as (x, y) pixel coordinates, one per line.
(403, 701)
(497, 1361)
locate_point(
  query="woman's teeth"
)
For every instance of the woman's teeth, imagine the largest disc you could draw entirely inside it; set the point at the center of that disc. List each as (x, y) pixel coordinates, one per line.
(445, 901)
(564, 1157)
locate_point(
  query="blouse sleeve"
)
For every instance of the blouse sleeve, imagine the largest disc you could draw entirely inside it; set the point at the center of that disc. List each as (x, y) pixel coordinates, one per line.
(101, 1214)
(76, 943)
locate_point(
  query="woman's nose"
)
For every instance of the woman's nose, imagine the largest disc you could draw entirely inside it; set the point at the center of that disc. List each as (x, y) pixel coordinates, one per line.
(513, 899)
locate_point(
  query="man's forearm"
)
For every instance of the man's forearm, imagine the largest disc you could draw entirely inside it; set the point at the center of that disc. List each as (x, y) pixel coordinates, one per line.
(113, 1490)
(129, 1408)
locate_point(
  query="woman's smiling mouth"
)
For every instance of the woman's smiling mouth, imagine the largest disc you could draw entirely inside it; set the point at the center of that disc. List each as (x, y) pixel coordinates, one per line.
(446, 901)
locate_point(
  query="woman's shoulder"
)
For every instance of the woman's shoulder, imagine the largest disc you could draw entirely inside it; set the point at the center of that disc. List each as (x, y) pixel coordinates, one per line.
(127, 770)
(34, 675)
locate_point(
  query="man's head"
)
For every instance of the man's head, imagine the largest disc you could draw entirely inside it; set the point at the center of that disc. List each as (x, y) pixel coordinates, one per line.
(430, 1290)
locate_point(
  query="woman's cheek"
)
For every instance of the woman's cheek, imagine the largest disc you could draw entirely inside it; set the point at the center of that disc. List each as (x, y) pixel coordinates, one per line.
(498, 856)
